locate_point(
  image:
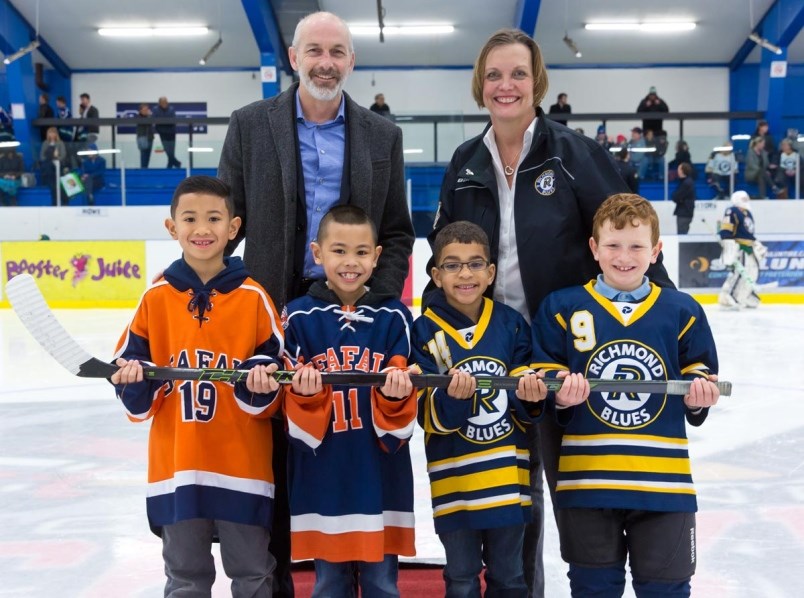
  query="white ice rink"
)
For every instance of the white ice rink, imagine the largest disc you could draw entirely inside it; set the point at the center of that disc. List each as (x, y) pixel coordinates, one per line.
(72, 470)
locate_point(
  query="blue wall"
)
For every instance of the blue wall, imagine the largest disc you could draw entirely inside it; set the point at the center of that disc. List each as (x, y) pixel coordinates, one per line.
(743, 86)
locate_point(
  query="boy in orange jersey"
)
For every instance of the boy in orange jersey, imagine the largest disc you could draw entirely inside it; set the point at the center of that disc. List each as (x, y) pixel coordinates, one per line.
(349, 471)
(209, 470)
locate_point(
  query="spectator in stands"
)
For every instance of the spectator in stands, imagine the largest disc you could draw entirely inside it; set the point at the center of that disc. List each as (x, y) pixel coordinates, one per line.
(145, 136)
(627, 171)
(380, 107)
(561, 107)
(636, 147)
(789, 161)
(6, 126)
(684, 198)
(756, 169)
(602, 138)
(66, 134)
(719, 168)
(651, 160)
(763, 131)
(167, 132)
(93, 170)
(45, 111)
(11, 168)
(792, 137)
(53, 161)
(652, 103)
(86, 134)
(682, 155)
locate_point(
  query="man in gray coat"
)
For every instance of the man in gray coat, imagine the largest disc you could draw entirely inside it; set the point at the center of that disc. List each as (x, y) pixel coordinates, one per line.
(278, 159)
(289, 159)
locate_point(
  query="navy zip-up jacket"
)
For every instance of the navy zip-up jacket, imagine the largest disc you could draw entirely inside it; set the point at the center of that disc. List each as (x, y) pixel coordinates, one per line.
(560, 185)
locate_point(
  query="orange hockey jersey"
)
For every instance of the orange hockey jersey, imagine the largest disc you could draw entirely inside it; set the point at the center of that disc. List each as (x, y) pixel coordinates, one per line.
(210, 442)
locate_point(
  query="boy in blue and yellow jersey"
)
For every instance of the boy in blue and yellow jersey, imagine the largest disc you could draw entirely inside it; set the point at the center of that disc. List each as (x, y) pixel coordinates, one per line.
(209, 466)
(624, 481)
(475, 440)
(349, 471)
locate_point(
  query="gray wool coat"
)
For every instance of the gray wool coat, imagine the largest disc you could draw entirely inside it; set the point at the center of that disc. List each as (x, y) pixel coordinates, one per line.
(260, 161)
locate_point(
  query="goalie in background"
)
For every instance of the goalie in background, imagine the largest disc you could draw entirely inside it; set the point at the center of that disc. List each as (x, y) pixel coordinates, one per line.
(741, 254)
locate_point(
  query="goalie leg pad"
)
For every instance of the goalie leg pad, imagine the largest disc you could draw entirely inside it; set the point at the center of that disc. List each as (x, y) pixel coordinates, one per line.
(745, 291)
(727, 298)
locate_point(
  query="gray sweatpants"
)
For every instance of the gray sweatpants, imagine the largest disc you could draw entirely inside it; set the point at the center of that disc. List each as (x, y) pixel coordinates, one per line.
(190, 567)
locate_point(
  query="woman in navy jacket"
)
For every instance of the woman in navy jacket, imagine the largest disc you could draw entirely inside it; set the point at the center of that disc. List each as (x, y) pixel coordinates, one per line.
(533, 185)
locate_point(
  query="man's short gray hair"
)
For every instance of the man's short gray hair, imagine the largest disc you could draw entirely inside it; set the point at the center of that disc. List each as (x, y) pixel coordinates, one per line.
(319, 14)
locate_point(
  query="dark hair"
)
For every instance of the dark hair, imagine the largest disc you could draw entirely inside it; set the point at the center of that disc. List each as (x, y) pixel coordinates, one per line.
(561, 95)
(623, 153)
(84, 95)
(345, 215)
(208, 185)
(507, 37)
(623, 209)
(461, 231)
(686, 168)
(61, 99)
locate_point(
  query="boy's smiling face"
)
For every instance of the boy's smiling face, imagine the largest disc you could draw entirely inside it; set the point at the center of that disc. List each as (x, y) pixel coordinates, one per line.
(624, 255)
(464, 289)
(203, 226)
(348, 254)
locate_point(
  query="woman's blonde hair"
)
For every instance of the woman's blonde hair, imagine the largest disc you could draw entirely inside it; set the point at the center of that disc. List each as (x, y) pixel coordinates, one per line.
(506, 37)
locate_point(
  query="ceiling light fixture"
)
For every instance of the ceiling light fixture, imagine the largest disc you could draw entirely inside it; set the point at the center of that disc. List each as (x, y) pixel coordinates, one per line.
(21, 52)
(762, 42)
(401, 29)
(157, 31)
(741, 137)
(9, 143)
(723, 148)
(572, 46)
(211, 51)
(646, 27)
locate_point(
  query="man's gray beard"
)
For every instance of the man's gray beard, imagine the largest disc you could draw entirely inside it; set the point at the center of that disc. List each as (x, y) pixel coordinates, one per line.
(322, 94)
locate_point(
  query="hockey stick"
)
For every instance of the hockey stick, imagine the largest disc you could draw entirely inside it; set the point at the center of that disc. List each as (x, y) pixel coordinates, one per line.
(36, 316)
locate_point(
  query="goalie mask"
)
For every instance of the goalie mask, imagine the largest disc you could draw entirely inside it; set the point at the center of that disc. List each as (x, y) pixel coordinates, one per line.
(740, 199)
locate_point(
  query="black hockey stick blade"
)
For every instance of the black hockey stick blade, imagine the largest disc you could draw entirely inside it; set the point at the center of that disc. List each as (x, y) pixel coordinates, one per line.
(30, 306)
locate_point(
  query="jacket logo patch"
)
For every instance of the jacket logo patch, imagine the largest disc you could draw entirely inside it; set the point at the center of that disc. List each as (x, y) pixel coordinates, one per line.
(546, 183)
(468, 172)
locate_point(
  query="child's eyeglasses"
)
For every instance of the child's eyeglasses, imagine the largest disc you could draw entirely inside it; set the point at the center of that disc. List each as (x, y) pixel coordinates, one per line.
(455, 267)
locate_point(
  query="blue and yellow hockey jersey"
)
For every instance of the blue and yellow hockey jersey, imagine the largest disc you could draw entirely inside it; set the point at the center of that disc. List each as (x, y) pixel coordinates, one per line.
(738, 224)
(209, 453)
(477, 454)
(349, 471)
(625, 450)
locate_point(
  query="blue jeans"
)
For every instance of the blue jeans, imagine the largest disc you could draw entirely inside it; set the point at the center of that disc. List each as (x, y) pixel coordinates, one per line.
(499, 548)
(337, 580)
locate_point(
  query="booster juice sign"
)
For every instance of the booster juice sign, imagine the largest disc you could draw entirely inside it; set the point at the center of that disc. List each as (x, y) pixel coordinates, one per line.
(80, 273)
